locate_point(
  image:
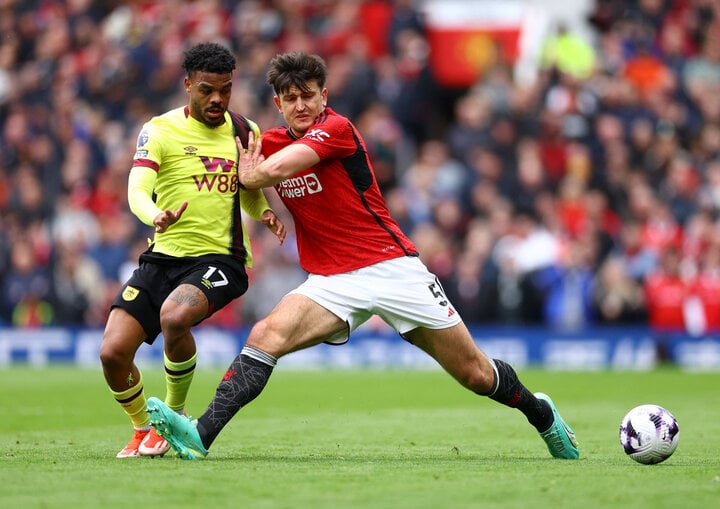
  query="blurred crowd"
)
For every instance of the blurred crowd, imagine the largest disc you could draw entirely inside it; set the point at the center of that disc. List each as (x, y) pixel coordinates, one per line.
(587, 195)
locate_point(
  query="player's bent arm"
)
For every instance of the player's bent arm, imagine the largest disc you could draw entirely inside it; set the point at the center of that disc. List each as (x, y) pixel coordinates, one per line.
(141, 184)
(279, 166)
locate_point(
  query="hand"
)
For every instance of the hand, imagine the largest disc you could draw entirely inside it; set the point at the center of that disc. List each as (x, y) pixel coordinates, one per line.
(166, 219)
(274, 224)
(249, 159)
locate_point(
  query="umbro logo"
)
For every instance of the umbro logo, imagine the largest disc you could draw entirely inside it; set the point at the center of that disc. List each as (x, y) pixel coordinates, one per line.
(190, 150)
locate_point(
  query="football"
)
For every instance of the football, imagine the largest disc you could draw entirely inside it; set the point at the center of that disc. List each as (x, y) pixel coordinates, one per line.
(649, 434)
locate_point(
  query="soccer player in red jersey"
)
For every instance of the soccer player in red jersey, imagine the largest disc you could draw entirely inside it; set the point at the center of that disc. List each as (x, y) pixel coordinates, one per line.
(359, 262)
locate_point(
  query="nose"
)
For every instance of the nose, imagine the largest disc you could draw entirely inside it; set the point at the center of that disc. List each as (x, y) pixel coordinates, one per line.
(299, 104)
(216, 97)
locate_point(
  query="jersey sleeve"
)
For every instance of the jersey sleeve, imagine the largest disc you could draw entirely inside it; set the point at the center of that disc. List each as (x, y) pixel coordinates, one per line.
(331, 137)
(143, 175)
(141, 184)
(148, 149)
(253, 202)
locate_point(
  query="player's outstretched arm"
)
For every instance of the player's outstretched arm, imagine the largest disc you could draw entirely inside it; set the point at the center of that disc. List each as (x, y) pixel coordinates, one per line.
(255, 171)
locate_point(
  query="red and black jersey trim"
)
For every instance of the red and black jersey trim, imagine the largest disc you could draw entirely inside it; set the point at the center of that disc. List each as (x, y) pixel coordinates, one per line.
(360, 173)
(322, 117)
(241, 128)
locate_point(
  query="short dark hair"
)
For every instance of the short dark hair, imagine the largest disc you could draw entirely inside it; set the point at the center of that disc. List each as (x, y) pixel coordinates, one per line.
(296, 68)
(208, 57)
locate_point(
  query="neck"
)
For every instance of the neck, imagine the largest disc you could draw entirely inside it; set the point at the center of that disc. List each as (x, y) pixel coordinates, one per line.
(296, 134)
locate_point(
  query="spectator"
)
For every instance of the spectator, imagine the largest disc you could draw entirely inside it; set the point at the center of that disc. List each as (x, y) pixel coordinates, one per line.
(75, 289)
(526, 248)
(666, 294)
(472, 287)
(707, 288)
(112, 248)
(637, 258)
(569, 54)
(26, 288)
(566, 287)
(617, 297)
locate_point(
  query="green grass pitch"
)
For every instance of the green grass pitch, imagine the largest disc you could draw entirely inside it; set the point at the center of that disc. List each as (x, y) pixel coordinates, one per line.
(368, 439)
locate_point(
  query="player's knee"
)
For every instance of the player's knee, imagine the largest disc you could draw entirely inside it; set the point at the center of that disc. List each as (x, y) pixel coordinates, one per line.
(175, 321)
(112, 356)
(261, 333)
(477, 379)
(266, 335)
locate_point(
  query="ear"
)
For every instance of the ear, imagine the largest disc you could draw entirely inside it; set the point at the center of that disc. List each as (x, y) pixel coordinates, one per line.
(187, 84)
(276, 100)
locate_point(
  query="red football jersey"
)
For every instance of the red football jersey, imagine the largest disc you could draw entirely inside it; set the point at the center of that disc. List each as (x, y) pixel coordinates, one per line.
(707, 289)
(666, 296)
(341, 220)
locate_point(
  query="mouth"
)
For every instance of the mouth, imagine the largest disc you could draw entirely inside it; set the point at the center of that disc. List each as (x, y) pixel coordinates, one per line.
(215, 112)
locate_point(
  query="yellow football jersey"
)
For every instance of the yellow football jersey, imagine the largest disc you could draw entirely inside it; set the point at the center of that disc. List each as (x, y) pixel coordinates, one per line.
(198, 164)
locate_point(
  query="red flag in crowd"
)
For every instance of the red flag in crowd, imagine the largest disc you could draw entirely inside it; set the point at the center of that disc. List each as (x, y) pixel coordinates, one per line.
(468, 37)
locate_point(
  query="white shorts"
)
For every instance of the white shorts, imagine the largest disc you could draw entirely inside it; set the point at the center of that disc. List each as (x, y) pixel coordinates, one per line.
(401, 291)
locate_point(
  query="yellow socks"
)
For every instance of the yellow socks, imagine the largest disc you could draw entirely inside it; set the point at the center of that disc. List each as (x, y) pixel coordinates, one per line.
(178, 377)
(134, 404)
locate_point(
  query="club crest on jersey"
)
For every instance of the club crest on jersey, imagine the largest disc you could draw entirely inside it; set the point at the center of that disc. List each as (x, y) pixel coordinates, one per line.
(317, 135)
(130, 293)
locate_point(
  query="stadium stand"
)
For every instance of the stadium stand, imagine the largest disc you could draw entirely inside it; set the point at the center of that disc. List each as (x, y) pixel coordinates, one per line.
(553, 201)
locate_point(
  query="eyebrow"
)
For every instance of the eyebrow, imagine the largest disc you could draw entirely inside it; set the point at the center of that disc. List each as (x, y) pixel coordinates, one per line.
(205, 83)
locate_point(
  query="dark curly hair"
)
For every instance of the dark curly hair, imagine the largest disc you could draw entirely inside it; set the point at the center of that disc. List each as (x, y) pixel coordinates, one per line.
(296, 68)
(208, 57)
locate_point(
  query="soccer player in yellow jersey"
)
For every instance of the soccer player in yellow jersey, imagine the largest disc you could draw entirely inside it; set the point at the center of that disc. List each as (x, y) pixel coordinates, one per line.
(183, 182)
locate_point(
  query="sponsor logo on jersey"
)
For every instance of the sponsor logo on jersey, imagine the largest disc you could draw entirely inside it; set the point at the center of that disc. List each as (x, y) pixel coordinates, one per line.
(213, 164)
(297, 187)
(317, 135)
(140, 154)
(220, 175)
(130, 293)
